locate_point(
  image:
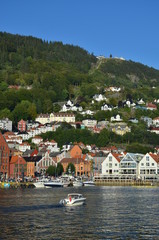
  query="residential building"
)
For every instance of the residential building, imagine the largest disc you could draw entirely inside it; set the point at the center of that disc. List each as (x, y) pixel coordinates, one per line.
(62, 117)
(22, 126)
(129, 165)
(6, 124)
(89, 123)
(98, 158)
(120, 128)
(149, 166)
(110, 165)
(116, 118)
(37, 139)
(151, 106)
(99, 97)
(156, 121)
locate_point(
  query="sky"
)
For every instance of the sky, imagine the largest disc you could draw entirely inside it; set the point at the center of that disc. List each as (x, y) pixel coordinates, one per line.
(123, 28)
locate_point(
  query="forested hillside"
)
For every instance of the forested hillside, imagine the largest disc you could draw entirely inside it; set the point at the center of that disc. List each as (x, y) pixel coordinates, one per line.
(48, 72)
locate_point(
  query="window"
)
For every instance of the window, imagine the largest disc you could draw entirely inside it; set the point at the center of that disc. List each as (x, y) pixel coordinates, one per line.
(153, 164)
(147, 158)
(110, 158)
(142, 164)
(147, 164)
(116, 164)
(110, 165)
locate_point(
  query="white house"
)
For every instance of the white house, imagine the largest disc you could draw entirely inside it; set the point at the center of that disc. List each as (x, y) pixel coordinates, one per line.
(156, 121)
(110, 166)
(6, 124)
(23, 146)
(89, 122)
(37, 139)
(140, 102)
(87, 112)
(149, 166)
(99, 97)
(106, 107)
(129, 165)
(116, 118)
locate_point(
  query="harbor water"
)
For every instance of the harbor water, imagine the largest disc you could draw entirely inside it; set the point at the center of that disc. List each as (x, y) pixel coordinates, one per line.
(109, 213)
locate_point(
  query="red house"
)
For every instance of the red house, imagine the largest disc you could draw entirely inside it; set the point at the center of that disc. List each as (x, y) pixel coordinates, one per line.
(22, 125)
(4, 157)
(18, 167)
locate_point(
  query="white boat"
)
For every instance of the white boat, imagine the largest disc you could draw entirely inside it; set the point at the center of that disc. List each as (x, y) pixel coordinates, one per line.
(77, 183)
(88, 183)
(40, 182)
(73, 199)
(53, 183)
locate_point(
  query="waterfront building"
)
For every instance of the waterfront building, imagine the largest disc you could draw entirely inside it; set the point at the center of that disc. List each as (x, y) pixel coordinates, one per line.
(98, 158)
(43, 164)
(149, 166)
(5, 153)
(18, 167)
(82, 167)
(129, 165)
(110, 165)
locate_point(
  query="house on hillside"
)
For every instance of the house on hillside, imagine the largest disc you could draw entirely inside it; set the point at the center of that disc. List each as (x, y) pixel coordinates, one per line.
(120, 128)
(116, 118)
(106, 107)
(6, 124)
(22, 126)
(156, 121)
(99, 97)
(151, 106)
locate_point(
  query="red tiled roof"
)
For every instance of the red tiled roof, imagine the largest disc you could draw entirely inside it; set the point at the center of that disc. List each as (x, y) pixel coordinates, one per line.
(155, 157)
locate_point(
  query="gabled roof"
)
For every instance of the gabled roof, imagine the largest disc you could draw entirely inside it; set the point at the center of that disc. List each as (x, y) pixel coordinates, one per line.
(117, 156)
(155, 157)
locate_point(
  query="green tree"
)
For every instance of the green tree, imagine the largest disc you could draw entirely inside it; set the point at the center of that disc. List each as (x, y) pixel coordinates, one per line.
(59, 169)
(51, 171)
(70, 168)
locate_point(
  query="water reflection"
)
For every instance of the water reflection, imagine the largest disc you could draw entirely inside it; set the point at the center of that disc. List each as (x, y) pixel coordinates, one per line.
(109, 213)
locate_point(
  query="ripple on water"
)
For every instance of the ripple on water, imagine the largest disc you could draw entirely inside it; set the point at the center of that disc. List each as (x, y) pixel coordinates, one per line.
(109, 213)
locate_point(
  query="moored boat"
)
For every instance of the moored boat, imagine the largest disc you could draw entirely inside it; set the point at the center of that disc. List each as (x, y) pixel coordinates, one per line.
(40, 182)
(53, 183)
(88, 183)
(77, 183)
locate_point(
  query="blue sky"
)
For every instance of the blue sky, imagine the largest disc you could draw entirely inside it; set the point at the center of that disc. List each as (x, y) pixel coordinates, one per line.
(123, 28)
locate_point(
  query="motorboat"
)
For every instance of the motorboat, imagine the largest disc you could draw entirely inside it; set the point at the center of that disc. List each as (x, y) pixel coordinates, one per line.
(77, 183)
(88, 183)
(73, 199)
(40, 182)
(53, 184)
